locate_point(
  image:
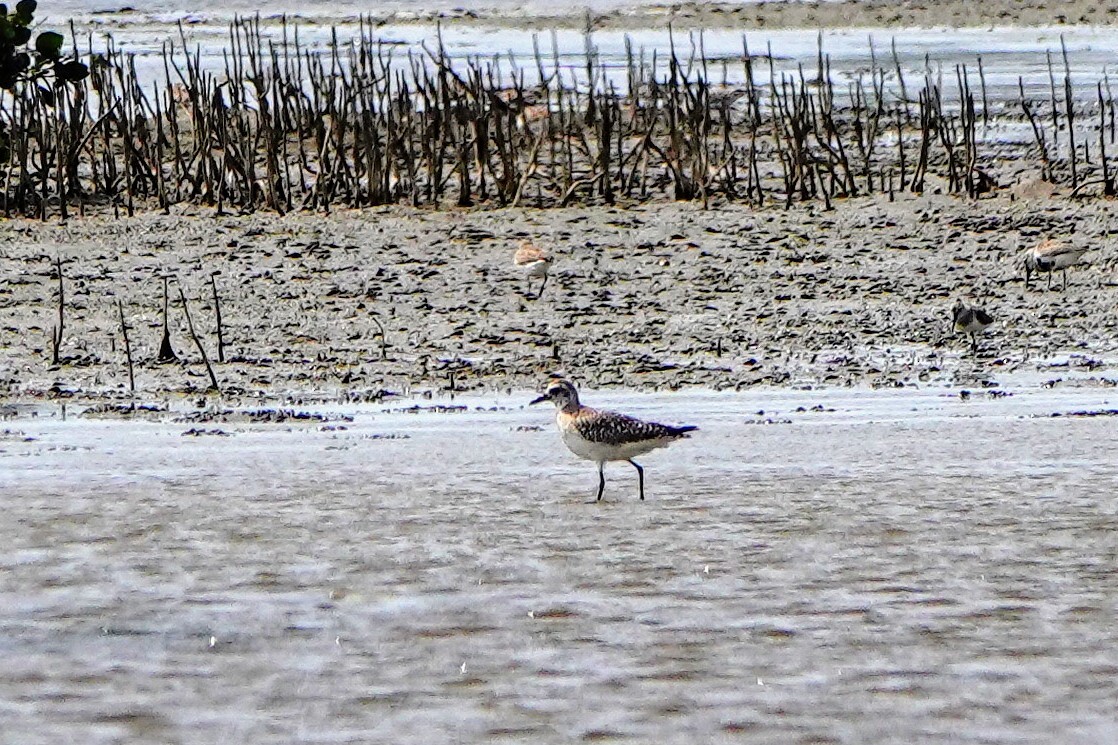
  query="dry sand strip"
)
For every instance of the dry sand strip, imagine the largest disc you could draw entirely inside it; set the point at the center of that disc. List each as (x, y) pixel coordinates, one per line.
(651, 296)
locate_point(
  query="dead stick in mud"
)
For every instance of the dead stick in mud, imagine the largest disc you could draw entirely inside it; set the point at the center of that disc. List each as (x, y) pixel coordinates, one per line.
(1108, 183)
(383, 340)
(1071, 129)
(1038, 133)
(530, 171)
(42, 135)
(985, 101)
(127, 353)
(1109, 106)
(166, 351)
(198, 342)
(217, 314)
(1052, 102)
(56, 335)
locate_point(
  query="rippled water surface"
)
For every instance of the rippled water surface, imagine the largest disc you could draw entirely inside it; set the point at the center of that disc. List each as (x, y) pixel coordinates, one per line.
(876, 567)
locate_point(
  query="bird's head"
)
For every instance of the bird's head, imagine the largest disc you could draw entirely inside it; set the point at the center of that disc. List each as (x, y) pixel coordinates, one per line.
(956, 312)
(560, 392)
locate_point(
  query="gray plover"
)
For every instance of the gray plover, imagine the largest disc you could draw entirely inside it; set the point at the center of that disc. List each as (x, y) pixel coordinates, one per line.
(534, 262)
(602, 436)
(971, 321)
(1048, 256)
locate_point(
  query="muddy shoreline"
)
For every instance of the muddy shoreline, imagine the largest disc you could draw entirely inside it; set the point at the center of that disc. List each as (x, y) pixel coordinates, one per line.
(645, 297)
(690, 15)
(831, 15)
(856, 14)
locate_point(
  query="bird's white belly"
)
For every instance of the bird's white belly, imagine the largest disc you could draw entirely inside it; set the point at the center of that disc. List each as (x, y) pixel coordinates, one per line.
(1060, 261)
(536, 269)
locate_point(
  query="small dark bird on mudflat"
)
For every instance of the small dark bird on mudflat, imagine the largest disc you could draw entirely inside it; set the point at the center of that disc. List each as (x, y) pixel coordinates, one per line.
(969, 320)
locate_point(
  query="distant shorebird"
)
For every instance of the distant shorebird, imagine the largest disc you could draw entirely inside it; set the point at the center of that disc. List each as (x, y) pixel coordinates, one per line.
(970, 321)
(534, 262)
(1048, 256)
(602, 436)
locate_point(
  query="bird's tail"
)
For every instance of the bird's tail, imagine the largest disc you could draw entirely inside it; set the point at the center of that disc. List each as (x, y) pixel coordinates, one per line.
(682, 431)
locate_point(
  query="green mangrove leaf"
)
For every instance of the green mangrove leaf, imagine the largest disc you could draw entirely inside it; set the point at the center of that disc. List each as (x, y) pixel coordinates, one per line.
(49, 44)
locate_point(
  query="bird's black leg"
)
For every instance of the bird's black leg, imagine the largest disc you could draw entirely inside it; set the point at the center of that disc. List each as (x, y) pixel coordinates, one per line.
(542, 284)
(974, 344)
(1049, 279)
(1065, 280)
(601, 480)
(640, 476)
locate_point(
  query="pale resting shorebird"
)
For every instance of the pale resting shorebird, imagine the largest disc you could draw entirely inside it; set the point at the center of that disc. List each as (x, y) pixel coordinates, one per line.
(534, 262)
(969, 320)
(1048, 256)
(602, 436)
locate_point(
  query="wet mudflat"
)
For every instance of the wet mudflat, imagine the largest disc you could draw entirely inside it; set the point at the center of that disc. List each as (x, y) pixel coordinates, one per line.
(645, 297)
(847, 566)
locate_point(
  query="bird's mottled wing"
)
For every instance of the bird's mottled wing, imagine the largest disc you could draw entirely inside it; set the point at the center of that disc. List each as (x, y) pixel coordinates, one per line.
(1049, 253)
(610, 428)
(528, 255)
(1049, 248)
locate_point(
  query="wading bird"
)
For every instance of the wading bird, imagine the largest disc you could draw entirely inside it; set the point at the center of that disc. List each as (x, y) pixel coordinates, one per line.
(971, 321)
(534, 262)
(1048, 256)
(602, 436)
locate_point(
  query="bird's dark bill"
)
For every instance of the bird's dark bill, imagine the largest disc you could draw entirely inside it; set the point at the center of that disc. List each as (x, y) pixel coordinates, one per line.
(539, 400)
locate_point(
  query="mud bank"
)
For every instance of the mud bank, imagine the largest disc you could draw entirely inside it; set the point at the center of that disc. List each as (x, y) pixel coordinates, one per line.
(349, 305)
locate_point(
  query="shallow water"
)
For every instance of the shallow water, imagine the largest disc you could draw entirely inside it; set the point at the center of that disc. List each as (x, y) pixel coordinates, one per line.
(900, 566)
(1007, 52)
